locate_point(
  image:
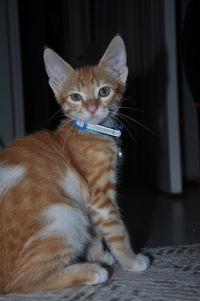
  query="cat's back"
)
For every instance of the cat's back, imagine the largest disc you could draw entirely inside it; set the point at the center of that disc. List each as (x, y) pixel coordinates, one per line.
(28, 168)
(29, 148)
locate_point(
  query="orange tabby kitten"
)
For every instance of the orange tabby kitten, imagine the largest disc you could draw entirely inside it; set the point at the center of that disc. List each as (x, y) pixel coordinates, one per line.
(57, 188)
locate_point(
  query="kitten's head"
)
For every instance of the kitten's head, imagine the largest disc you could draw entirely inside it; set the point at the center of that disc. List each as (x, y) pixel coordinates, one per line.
(89, 93)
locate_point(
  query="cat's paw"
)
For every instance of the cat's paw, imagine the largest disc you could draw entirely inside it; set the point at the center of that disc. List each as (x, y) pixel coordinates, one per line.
(108, 258)
(100, 274)
(141, 263)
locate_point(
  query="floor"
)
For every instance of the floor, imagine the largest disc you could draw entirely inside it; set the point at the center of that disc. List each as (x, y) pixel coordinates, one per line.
(156, 219)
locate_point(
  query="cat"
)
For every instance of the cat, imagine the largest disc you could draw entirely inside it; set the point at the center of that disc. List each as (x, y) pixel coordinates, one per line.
(57, 188)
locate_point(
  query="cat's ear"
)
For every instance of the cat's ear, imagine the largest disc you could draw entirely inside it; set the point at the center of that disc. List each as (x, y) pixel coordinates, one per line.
(57, 69)
(114, 59)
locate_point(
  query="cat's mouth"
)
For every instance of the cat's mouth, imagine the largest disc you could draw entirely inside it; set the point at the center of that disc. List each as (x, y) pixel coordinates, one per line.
(104, 117)
(95, 120)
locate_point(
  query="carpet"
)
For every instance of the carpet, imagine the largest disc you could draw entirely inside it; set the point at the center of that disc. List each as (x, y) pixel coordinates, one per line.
(173, 276)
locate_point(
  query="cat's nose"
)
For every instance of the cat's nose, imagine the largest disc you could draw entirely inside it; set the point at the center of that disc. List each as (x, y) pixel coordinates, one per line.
(92, 109)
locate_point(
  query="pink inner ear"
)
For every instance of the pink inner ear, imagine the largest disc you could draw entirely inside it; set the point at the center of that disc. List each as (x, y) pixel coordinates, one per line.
(57, 69)
(117, 65)
(55, 65)
(114, 59)
(122, 58)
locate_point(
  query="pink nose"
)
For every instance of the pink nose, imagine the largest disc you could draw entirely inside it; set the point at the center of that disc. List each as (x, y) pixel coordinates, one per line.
(92, 109)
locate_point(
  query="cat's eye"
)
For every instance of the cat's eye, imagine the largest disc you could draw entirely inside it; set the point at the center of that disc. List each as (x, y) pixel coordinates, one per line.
(104, 91)
(76, 97)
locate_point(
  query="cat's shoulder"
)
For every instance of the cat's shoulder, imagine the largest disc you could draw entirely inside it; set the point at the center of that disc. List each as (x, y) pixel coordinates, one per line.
(27, 145)
(41, 136)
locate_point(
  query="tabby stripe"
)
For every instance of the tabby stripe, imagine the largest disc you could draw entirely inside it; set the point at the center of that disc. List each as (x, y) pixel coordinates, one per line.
(48, 264)
(101, 192)
(116, 239)
(108, 186)
(99, 221)
(105, 204)
(96, 200)
(111, 223)
(35, 273)
(115, 212)
(103, 170)
(97, 191)
(35, 247)
(96, 213)
(93, 212)
(100, 202)
(97, 165)
(101, 150)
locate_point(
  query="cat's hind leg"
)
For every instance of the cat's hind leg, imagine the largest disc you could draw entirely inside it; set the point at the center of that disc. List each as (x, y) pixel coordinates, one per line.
(45, 261)
(70, 276)
(97, 252)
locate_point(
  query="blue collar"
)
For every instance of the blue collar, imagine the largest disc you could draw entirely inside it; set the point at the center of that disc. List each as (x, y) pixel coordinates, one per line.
(114, 132)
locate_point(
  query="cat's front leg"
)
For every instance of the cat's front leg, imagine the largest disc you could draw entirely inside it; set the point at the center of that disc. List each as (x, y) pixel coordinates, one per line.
(105, 216)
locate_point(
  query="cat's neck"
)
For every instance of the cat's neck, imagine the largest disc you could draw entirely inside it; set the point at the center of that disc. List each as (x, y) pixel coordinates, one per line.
(68, 129)
(109, 122)
(97, 128)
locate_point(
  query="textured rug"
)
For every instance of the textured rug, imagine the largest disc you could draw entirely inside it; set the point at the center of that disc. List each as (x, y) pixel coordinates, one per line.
(173, 276)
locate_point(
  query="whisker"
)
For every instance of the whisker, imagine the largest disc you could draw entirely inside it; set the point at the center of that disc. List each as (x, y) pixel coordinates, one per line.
(129, 100)
(129, 123)
(129, 132)
(65, 122)
(133, 109)
(117, 119)
(51, 117)
(66, 134)
(137, 122)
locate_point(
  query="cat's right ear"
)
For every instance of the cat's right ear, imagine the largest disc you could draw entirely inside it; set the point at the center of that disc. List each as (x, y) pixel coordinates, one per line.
(57, 69)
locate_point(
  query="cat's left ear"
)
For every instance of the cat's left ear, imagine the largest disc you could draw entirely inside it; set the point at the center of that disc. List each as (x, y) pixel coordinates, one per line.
(114, 59)
(57, 69)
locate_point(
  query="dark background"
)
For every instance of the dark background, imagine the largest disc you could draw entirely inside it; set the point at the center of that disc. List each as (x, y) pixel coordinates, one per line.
(80, 31)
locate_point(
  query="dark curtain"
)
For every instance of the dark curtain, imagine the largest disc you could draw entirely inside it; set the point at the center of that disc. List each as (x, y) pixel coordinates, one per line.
(191, 48)
(79, 31)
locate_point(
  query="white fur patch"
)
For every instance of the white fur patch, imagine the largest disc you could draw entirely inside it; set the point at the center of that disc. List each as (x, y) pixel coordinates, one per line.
(10, 176)
(141, 263)
(100, 274)
(109, 177)
(101, 212)
(65, 221)
(70, 183)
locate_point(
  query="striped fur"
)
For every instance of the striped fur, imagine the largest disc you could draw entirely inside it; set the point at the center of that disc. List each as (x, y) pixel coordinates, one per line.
(57, 194)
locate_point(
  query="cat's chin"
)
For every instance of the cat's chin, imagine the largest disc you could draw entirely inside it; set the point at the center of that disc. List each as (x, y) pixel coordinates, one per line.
(93, 120)
(96, 121)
